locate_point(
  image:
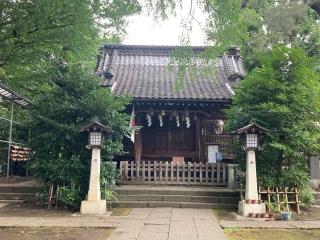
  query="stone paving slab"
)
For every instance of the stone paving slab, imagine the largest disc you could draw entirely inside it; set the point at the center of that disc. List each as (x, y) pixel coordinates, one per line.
(170, 224)
(151, 228)
(154, 236)
(271, 224)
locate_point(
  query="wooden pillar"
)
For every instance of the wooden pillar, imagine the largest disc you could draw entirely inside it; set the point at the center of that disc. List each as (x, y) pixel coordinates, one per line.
(201, 141)
(198, 137)
(137, 147)
(137, 143)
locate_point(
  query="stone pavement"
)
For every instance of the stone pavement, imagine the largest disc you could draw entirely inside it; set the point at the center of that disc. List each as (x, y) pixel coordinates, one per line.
(156, 224)
(271, 224)
(140, 224)
(169, 224)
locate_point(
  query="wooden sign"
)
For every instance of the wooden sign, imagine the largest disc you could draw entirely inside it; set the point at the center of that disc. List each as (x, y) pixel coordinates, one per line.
(19, 153)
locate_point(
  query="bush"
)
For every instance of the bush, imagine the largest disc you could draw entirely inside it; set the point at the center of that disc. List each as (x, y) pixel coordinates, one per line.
(70, 196)
(109, 175)
(307, 196)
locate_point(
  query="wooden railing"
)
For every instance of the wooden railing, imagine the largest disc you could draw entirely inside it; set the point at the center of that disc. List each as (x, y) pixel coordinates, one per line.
(157, 172)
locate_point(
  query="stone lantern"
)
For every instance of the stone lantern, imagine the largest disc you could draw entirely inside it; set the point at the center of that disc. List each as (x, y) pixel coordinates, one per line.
(96, 134)
(250, 136)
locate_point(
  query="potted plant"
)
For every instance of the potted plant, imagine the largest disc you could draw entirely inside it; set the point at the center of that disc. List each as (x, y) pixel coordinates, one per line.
(271, 209)
(285, 212)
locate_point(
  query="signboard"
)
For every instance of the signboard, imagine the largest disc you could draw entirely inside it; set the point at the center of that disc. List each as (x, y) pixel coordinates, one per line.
(212, 153)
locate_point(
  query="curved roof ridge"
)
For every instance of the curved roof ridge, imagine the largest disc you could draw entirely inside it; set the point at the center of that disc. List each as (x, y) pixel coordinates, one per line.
(142, 72)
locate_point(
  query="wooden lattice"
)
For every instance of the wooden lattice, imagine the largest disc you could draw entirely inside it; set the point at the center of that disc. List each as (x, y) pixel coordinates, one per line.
(281, 196)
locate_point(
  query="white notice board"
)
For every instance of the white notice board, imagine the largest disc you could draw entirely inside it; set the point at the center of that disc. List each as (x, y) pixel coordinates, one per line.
(212, 153)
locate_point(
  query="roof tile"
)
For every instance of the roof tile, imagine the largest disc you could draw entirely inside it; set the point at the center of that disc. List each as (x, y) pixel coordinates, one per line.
(142, 72)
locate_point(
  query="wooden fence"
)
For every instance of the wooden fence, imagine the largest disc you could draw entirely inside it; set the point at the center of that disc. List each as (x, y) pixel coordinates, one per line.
(157, 172)
(281, 196)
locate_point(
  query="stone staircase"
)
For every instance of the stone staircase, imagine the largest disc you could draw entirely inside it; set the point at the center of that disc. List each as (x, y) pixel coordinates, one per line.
(17, 193)
(175, 196)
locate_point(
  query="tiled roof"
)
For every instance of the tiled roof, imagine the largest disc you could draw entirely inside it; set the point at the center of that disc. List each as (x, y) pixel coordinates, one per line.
(142, 72)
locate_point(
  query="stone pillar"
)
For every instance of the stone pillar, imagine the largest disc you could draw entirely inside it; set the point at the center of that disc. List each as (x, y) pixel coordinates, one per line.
(251, 176)
(251, 188)
(94, 204)
(94, 193)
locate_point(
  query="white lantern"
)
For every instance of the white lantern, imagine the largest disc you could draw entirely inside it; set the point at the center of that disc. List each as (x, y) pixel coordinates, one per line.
(95, 139)
(96, 134)
(251, 140)
(250, 135)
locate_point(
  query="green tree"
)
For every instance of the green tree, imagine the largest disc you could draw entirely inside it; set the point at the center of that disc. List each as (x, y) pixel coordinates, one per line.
(33, 32)
(253, 25)
(283, 95)
(59, 152)
(48, 52)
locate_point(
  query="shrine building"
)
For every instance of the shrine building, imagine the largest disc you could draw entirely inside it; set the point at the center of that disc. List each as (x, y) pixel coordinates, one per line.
(176, 124)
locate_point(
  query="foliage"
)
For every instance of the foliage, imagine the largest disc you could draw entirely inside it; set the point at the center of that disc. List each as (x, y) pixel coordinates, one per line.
(42, 194)
(60, 156)
(70, 196)
(33, 32)
(282, 94)
(272, 207)
(307, 196)
(48, 52)
(252, 25)
(109, 174)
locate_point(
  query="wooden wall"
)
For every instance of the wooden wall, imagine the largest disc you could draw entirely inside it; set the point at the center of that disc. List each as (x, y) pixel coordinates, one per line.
(163, 143)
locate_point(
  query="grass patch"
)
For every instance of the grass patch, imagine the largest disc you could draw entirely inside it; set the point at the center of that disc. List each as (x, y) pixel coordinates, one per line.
(54, 233)
(267, 234)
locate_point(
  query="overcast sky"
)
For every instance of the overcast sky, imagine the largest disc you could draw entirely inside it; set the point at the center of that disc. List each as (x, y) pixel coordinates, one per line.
(143, 30)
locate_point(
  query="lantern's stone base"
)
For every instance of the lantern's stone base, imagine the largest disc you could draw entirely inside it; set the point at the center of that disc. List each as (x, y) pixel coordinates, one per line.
(93, 207)
(244, 208)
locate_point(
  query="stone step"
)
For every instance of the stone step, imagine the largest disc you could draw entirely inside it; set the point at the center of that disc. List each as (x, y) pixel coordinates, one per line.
(17, 196)
(153, 204)
(166, 192)
(178, 198)
(18, 189)
(13, 201)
